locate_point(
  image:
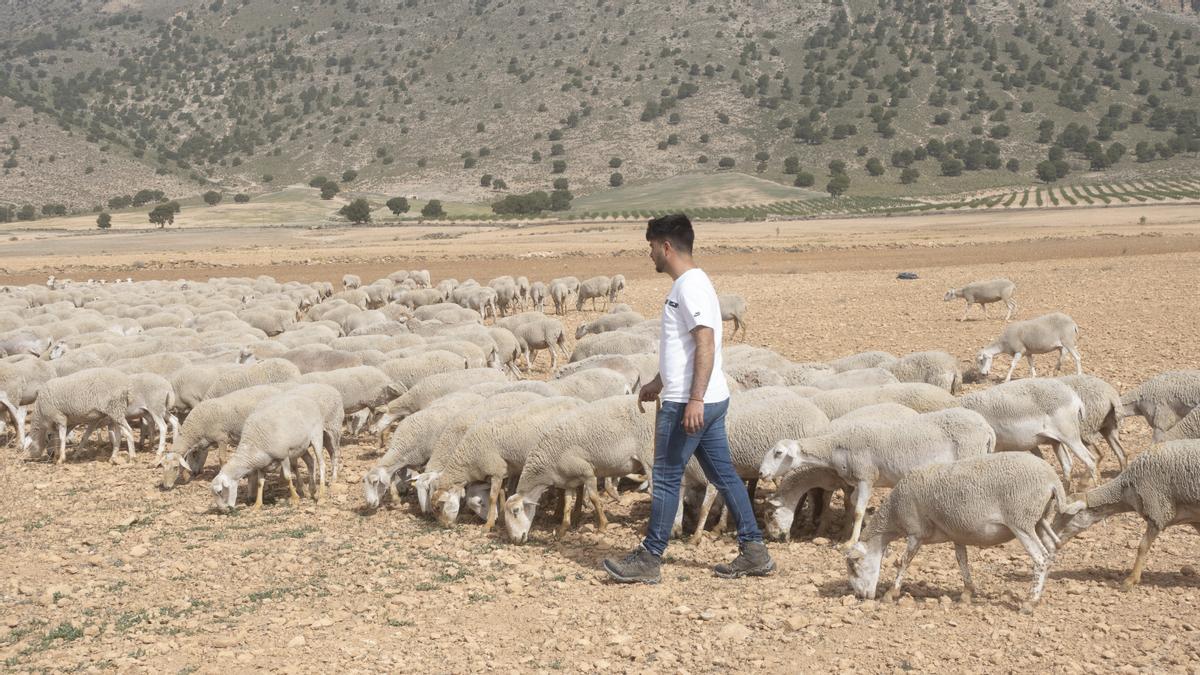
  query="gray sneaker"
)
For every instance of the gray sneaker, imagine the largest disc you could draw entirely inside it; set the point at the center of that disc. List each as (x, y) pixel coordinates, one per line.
(640, 566)
(753, 560)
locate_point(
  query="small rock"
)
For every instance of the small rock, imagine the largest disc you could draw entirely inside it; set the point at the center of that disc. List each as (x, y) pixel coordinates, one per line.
(733, 631)
(138, 551)
(797, 622)
(1108, 655)
(295, 642)
(682, 610)
(708, 615)
(1187, 571)
(820, 541)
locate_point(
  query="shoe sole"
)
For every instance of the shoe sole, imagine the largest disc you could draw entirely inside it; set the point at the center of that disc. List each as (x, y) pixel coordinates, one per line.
(749, 573)
(628, 580)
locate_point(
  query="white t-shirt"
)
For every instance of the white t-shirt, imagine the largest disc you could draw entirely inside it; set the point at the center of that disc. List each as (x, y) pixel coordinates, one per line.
(692, 302)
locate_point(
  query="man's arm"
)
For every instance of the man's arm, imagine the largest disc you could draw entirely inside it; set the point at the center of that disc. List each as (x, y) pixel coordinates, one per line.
(693, 413)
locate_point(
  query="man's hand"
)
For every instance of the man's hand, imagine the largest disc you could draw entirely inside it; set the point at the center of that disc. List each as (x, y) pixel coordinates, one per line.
(693, 417)
(650, 390)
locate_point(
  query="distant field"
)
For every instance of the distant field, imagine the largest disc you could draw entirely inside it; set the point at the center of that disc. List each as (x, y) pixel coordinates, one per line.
(692, 191)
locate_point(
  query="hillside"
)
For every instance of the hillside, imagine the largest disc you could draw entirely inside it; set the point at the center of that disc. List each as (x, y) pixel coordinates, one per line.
(105, 98)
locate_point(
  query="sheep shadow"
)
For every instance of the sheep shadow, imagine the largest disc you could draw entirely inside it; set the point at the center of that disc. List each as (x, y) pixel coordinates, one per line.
(1114, 577)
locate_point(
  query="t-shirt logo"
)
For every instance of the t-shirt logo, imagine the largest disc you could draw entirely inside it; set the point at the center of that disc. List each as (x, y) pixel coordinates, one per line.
(672, 303)
(696, 314)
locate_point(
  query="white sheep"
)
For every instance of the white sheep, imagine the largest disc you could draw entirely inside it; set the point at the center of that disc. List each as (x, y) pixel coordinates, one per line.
(937, 368)
(96, 394)
(1163, 400)
(409, 370)
(872, 359)
(350, 281)
(608, 322)
(544, 334)
(981, 501)
(431, 388)
(1042, 335)
(1029, 413)
(270, 371)
(558, 295)
(733, 308)
(363, 389)
(984, 293)
(615, 286)
(866, 454)
(616, 362)
(616, 342)
(1101, 413)
(537, 296)
(920, 397)
(592, 384)
(1162, 485)
(20, 383)
(591, 289)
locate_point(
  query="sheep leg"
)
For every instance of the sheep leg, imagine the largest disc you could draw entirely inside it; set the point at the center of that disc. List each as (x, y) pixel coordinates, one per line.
(568, 503)
(710, 497)
(1064, 460)
(286, 469)
(493, 501)
(1113, 436)
(359, 420)
(161, 425)
(260, 480)
(173, 422)
(553, 359)
(1058, 366)
(966, 311)
(1041, 563)
(19, 414)
(910, 552)
(862, 496)
(983, 306)
(593, 496)
(62, 444)
(610, 489)
(1084, 456)
(1078, 361)
(1032, 370)
(960, 553)
(1135, 576)
(116, 444)
(822, 511)
(1012, 307)
(577, 507)
(1015, 360)
(319, 450)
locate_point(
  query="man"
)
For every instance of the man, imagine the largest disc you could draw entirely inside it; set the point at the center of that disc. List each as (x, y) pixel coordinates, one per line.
(692, 419)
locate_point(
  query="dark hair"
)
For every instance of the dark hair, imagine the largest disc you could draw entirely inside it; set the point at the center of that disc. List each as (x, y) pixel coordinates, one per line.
(675, 228)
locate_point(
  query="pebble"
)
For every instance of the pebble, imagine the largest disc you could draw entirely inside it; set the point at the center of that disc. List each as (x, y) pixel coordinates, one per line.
(1187, 571)
(295, 642)
(138, 551)
(682, 610)
(733, 631)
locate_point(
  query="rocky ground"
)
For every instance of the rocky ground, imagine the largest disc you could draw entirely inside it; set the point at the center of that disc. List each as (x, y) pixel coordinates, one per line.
(102, 570)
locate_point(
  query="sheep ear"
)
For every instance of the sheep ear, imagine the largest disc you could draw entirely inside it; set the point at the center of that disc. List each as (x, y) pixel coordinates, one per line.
(854, 553)
(395, 390)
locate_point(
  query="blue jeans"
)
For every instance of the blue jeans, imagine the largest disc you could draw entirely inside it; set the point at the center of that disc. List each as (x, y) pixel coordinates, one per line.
(673, 447)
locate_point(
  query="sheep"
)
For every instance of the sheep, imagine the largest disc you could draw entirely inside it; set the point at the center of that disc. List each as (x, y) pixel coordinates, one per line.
(1101, 413)
(920, 397)
(523, 290)
(1163, 400)
(213, 422)
(1161, 485)
(591, 289)
(152, 396)
(781, 508)
(872, 359)
(609, 437)
(544, 334)
(608, 322)
(20, 383)
(619, 307)
(733, 308)
(615, 362)
(447, 286)
(936, 368)
(508, 348)
(537, 296)
(430, 389)
(1027, 413)
(270, 321)
(350, 281)
(984, 293)
(164, 364)
(980, 501)
(616, 342)
(363, 389)
(192, 383)
(469, 351)
(407, 371)
(312, 359)
(615, 286)
(571, 283)
(508, 296)
(422, 278)
(78, 398)
(418, 298)
(1034, 336)
(592, 384)
(873, 453)
(1186, 428)
(281, 429)
(558, 294)
(494, 449)
(264, 372)
(850, 379)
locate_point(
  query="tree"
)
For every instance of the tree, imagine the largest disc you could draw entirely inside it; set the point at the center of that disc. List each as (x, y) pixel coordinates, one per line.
(952, 167)
(726, 163)
(433, 209)
(875, 167)
(329, 189)
(561, 184)
(838, 185)
(268, 178)
(616, 179)
(791, 165)
(528, 204)
(1014, 165)
(804, 179)
(104, 221)
(163, 215)
(397, 205)
(1144, 151)
(469, 163)
(1114, 153)
(349, 175)
(26, 212)
(536, 156)
(357, 211)
(485, 180)
(1046, 171)
(560, 200)
(241, 198)
(559, 166)
(837, 166)
(499, 184)
(317, 181)
(615, 163)
(212, 197)
(909, 175)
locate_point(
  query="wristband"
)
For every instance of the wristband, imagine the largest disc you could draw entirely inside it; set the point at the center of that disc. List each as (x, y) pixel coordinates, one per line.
(696, 399)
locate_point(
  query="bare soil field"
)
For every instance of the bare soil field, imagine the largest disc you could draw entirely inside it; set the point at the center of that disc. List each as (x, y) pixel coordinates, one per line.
(102, 570)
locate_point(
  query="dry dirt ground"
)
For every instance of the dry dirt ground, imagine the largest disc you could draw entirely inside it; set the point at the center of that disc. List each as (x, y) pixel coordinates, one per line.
(103, 570)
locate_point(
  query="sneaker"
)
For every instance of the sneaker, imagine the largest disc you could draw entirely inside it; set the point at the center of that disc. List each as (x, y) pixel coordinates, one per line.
(640, 566)
(753, 560)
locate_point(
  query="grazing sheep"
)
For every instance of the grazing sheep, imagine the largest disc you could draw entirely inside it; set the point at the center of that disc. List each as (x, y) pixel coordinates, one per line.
(849, 379)
(523, 291)
(433, 387)
(1163, 400)
(619, 307)
(508, 348)
(269, 371)
(733, 308)
(873, 453)
(313, 359)
(407, 371)
(362, 389)
(983, 293)
(981, 501)
(422, 277)
(20, 383)
(213, 422)
(609, 437)
(571, 283)
(543, 334)
(96, 394)
(508, 295)
(281, 429)
(537, 296)
(152, 396)
(615, 286)
(1186, 428)
(350, 281)
(591, 289)
(592, 384)
(618, 363)
(1034, 336)
(608, 322)
(1161, 485)
(492, 450)
(193, 382)
(558, 294)
(920, 397)
(1028, 413)
(418, 298)
(1101, 413)
(937, 368)
(616, 342)
(873, 359)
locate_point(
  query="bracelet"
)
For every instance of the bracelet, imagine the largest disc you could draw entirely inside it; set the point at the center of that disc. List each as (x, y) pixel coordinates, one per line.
(696, 399)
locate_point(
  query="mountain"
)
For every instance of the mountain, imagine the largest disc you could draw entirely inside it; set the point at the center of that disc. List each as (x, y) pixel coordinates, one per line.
(441, 98)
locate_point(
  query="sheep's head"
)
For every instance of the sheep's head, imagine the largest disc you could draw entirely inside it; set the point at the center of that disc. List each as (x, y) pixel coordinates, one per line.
(173, 465)
(581, 331)
(862, 566)
(375, 485)
(983, 361)
(57, 350)
(951, 294)
(778, 520)
(224, 491)
(518, 518)
(424, 485)
(446, 504)
(780, 459)
(476, 499)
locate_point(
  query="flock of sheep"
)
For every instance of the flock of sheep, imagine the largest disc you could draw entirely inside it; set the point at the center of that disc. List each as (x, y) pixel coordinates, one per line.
(276, 373)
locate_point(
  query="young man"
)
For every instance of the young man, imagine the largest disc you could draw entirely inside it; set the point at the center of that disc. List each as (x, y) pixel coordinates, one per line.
(692, 420)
